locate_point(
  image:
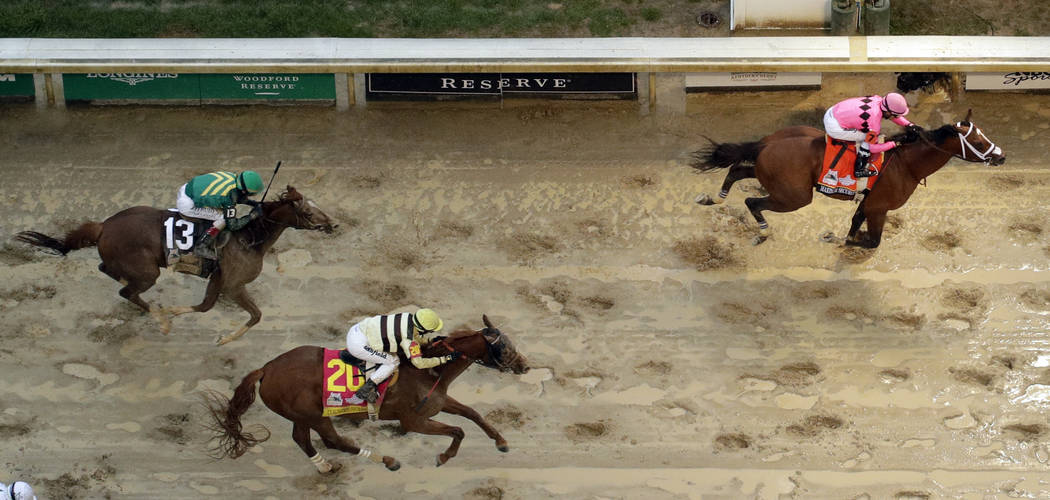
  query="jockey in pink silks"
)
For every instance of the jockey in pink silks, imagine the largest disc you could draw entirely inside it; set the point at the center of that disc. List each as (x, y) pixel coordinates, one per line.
(860, 120)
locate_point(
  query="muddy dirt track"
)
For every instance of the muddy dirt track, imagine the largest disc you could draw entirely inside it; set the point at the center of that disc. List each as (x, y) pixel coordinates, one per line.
(671, 359)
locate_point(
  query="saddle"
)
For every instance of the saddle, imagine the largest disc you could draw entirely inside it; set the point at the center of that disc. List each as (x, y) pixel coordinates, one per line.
(346, 357)
(836, 176)
(181, 235)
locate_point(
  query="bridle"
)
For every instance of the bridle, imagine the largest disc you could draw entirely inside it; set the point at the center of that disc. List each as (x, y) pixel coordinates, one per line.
(302, 219)
(496, 346)
(964, 144)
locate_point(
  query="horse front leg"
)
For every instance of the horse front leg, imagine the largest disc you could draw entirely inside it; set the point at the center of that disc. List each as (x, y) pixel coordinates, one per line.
(240, 295)
(433, 427)
(876, 222)
(456, 408)
(211, 296)
(736, 173)
(854, 228)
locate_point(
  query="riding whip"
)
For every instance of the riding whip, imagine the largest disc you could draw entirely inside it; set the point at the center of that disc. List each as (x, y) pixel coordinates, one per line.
(272, 177)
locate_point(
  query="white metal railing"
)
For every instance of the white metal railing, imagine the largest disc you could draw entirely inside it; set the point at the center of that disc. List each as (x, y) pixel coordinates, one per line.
(654, 55)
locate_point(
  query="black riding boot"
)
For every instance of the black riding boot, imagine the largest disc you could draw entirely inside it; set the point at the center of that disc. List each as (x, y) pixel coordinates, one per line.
(860, 167)
(369, 392)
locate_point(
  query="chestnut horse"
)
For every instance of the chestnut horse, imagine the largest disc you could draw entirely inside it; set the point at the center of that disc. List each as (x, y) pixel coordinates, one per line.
(133, 249)
(291, 386)
(788, 163)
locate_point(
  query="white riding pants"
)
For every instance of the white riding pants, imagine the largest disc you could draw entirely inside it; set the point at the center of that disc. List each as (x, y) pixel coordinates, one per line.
(357, 344)
(832, 127)
(186, 207)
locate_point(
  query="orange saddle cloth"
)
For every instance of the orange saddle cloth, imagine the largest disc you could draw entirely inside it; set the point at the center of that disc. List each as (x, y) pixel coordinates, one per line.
(836, 176)
(341, 382)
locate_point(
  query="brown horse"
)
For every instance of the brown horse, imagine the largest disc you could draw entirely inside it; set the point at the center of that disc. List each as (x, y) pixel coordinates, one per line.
(133, 250)
(291, 386)
(788, 163)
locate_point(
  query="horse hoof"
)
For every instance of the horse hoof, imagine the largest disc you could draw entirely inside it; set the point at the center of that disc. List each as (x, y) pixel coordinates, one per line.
(759, 240)
(223, 340)
(441, 461)
(394, 466)
(704, 199)
(336, 467)
(503, 447)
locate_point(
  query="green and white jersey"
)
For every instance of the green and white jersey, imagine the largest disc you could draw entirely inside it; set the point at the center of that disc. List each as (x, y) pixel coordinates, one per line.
(215, 190)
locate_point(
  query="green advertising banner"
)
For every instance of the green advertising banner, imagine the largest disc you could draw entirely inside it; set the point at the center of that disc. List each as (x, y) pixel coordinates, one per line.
(16, 85)
(92, 86)
(268, 86)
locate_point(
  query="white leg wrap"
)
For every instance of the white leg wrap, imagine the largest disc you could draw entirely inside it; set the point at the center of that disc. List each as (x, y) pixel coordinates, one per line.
(321, 464)
(366, 453)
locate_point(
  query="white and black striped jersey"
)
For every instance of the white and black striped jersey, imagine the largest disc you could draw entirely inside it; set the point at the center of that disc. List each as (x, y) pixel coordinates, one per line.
(390, 333)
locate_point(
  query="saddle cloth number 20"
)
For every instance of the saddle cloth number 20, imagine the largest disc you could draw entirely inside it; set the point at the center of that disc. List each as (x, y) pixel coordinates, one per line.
(348, 375)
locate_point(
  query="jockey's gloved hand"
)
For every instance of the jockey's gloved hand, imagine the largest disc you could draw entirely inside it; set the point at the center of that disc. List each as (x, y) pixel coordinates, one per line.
(452, 357)
(256, 212)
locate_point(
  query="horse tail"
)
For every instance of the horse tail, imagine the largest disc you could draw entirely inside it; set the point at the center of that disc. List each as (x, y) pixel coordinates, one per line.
(232, 440)
(723, 155)
(86, 235)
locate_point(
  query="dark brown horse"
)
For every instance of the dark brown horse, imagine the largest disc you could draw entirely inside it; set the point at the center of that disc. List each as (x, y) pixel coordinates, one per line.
(291, 386)
(133, 250)
(788, 163)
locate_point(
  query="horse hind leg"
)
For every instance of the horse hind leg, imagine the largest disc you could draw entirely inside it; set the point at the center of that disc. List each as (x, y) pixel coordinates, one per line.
(758, 205)
(133, 289)
(301, 436)
(736, 173)
(332, 439)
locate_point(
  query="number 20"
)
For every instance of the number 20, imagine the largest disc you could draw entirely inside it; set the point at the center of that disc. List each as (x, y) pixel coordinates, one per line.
(354, 378)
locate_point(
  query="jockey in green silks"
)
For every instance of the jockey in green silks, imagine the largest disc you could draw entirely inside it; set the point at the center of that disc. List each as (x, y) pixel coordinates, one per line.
(215, 197)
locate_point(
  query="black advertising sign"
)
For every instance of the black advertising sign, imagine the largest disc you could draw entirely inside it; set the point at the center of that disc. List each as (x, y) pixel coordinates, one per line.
(614, 85)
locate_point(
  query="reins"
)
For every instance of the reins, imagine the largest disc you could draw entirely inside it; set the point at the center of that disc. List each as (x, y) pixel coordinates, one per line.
(265, 218)
(964, 144)
(436, 382)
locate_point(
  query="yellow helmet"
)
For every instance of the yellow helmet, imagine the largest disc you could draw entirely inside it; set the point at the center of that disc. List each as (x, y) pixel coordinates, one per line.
(427, 320)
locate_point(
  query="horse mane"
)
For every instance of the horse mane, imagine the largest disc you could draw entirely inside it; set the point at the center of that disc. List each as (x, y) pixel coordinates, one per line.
(936, 136)
(430, 350)
(257, 228)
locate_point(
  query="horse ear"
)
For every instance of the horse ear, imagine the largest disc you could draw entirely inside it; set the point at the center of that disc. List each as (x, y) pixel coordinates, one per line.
(485, 319)
(969, 113)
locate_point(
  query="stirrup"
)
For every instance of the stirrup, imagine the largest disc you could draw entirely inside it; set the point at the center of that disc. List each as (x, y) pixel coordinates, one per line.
(373, 412)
